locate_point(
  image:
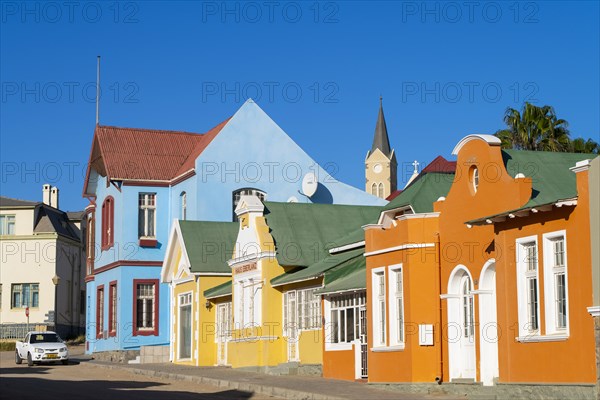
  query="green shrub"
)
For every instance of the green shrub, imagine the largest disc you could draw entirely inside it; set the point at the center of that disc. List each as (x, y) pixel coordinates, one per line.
(7, 346)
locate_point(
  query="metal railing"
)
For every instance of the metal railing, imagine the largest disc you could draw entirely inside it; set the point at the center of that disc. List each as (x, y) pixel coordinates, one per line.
(18, 331)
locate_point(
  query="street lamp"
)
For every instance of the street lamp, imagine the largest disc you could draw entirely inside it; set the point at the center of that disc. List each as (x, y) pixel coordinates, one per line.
(55, 281)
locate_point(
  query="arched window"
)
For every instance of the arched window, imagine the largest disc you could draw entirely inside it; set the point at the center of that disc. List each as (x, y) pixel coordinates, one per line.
(374, 189)
(183, 203)
(237, 194)
(108, 218)
(380, 191)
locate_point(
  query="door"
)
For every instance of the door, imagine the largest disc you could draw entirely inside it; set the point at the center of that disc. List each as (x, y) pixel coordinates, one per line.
(223, 330)
(467, 338)
(185, 326)
(292, 327)
(363, 341)
(488, 325)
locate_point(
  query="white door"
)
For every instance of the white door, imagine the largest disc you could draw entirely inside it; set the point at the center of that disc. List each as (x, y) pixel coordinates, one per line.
(223, 330)
(292, 327)
(488, 326)
(467, 339)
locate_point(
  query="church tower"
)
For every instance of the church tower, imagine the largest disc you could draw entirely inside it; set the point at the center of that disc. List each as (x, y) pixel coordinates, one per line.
(380, 164)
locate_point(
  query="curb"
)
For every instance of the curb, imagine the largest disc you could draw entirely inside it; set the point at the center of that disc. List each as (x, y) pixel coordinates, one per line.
(223, 383)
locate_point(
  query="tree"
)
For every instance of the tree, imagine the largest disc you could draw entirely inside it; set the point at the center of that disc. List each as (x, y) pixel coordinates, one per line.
(581, 145)
(535, 128)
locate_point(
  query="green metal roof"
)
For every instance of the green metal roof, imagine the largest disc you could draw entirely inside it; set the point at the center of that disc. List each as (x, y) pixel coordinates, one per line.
(209, 245)
(304, 231)
(224, 289)
(551, 177)
(350, 275)
(422, 193)
(316, 270)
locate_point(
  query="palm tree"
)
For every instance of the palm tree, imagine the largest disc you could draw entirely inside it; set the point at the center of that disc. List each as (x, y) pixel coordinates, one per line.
(581, 145)
(535, 128)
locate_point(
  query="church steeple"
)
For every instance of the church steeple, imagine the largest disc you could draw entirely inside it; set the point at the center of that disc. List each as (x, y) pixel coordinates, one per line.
(381, 164)
(381, 140)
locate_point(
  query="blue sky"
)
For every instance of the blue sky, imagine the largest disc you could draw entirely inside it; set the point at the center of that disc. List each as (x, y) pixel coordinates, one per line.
(445, 70)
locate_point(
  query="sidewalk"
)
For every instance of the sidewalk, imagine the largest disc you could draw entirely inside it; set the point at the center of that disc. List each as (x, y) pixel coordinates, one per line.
(288, 387)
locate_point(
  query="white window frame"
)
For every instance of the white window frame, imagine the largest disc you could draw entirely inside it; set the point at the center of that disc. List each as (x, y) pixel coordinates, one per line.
(248, 296)
(183, 300)
(379, 325)
(352, 300)
(395, 312)
(5, 221)
(522, 287)
(145, 206)
(314, 310)
(550, 270)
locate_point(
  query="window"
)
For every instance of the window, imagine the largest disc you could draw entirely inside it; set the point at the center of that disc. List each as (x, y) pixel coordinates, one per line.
(147, 215)
(145, 307)
(374, 189)
(183, 204)
(468, 327)
(248, 298)
(91, 243)
(396, 302)
(185, 326)
(7, 224)
(25, 295)
(112, 309)
(107, 223)
(99, 311)
(475, 178)
(555, 283)
(307, 313)
(380, 190)
(527, 286)
(379, 309)
(345, 325)
(237, 195)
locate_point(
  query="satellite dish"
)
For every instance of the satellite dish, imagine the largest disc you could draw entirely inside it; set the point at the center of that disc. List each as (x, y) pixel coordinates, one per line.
(292, 199)
(309, 184)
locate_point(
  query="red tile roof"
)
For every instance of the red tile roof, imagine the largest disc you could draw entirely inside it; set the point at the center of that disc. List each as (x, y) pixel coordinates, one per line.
(133, 154)
(440, 164)
(393, 195)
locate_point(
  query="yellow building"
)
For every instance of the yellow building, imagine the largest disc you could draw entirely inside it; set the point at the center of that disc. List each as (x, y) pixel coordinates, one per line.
(268, 317)
(195, 261)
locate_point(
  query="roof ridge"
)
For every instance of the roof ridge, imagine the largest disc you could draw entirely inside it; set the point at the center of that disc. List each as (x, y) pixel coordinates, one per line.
(152, 130)
(14, 198)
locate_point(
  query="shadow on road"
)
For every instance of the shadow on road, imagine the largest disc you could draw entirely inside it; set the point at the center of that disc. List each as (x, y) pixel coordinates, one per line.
(28, 387)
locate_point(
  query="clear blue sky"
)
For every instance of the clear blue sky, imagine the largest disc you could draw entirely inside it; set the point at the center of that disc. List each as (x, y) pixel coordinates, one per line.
(444, 69)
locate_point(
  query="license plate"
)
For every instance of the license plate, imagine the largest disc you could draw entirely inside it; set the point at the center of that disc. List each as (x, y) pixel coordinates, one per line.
(51, 355)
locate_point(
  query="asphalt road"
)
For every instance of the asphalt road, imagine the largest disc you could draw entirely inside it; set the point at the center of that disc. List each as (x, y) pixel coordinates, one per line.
(80, 381)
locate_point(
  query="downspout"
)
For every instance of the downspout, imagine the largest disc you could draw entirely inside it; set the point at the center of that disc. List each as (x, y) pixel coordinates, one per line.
(440, 373)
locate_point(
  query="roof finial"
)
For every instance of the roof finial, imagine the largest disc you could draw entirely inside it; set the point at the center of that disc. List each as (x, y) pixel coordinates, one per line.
(380, 100)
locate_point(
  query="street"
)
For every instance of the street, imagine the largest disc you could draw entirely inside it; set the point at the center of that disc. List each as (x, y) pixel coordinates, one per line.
(81, 380)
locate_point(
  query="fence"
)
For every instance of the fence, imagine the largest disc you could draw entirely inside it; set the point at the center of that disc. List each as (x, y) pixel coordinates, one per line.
(18, 331)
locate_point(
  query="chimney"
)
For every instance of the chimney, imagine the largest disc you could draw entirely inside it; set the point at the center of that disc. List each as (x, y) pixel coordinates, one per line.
(54, 197)
(46, 194)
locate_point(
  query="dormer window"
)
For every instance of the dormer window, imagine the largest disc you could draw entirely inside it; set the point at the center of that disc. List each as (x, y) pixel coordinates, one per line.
(237, 195)
(7, 224)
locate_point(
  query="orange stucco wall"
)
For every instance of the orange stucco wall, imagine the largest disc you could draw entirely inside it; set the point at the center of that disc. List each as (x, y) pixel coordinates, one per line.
(414, 363)
(338, 364)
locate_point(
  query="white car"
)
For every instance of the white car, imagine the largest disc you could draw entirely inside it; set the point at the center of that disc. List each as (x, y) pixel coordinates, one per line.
(41, 347)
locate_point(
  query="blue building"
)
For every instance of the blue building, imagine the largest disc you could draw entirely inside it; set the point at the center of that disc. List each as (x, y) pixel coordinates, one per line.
(139, 181)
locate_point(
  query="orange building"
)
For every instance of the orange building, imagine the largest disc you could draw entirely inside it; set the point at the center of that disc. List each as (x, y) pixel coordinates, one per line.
(494, 285)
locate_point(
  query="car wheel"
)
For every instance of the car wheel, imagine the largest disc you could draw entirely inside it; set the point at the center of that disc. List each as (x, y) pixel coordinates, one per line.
(64, 362)
(18, 359)
(29, 360)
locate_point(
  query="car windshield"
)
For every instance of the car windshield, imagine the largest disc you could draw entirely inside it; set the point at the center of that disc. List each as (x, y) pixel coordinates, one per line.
(45, 338)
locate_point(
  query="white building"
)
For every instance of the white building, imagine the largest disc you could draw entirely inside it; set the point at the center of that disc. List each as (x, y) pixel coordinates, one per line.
(42, 266)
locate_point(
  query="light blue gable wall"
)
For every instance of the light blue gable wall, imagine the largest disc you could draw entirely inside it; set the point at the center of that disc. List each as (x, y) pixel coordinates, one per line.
(253, 151)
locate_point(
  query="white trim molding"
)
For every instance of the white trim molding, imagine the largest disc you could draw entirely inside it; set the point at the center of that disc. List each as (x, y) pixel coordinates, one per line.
(240, 260)
(541, 338)
(582, 165)
(489, 139)
(349, 246)
(401, 247)
(594, 311)
(387, 349)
